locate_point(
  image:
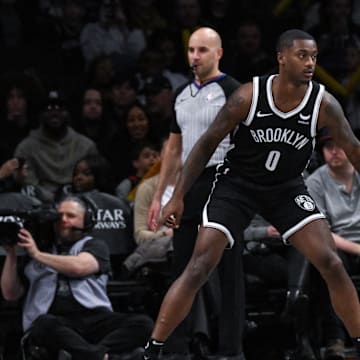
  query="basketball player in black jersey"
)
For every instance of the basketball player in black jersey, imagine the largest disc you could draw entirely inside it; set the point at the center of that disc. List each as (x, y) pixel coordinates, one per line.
(274, 121)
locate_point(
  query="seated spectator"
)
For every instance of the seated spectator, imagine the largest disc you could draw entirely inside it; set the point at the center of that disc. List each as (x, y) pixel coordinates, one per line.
(137, 124)
(143, 157)
(123, 95)
(335, 187)
(159, 98)
(112, 34)
(13, 175)
(153, 246)
(100, 74)
(92, 172)
(20, 97)
(66, 305)
(52, 150)
(138, 129)
(95, 122)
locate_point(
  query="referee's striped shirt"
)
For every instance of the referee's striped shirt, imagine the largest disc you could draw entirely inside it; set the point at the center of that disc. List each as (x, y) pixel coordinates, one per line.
(196, 108)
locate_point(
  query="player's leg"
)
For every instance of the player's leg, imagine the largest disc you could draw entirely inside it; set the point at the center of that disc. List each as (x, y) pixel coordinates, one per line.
(314, 240)
(177, 302)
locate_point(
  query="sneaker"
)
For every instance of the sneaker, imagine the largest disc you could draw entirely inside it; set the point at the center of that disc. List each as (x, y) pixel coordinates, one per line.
(335, 350)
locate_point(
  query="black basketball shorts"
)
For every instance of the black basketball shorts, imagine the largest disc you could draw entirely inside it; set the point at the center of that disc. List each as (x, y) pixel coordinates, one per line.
(234, 201)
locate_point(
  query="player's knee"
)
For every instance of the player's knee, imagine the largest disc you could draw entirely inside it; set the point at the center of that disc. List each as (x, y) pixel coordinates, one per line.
(330, 264)
(199, 269)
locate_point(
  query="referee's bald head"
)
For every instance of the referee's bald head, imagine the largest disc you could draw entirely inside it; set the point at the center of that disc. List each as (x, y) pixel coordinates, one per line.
(208, 34)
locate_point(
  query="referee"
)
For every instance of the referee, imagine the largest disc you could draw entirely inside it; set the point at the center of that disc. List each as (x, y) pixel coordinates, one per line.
(196, 106)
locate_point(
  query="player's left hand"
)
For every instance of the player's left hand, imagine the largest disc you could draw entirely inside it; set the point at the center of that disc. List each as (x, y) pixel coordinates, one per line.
(172, 212)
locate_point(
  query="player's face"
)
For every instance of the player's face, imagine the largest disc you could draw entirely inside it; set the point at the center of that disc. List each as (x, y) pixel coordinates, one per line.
(299, 60)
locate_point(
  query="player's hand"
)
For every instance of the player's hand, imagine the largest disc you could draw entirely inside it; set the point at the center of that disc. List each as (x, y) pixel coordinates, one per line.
(153, 215)
(171, 213)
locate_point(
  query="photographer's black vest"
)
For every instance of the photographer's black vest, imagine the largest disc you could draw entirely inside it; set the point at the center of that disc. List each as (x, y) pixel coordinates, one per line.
(89, 291)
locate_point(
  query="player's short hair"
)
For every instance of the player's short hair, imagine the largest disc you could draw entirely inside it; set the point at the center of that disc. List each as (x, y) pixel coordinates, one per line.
(286, 39)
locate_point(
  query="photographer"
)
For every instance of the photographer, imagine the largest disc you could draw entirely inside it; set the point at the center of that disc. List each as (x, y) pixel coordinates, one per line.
(66, 305)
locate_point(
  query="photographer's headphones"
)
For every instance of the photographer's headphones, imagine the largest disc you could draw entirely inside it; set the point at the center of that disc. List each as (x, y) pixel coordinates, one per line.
(90, 213)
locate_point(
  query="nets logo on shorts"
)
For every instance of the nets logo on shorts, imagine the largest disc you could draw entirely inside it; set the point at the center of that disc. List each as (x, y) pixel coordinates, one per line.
(305, 202)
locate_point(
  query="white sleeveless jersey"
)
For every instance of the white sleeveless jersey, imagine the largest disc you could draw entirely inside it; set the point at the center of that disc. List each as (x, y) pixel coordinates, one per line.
(270, 146)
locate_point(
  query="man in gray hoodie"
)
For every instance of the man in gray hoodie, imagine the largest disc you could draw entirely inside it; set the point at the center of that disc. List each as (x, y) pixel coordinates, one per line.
(53, 149)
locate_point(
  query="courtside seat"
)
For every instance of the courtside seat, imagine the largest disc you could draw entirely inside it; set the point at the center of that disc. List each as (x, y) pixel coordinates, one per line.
(143, 291)
(263, 304)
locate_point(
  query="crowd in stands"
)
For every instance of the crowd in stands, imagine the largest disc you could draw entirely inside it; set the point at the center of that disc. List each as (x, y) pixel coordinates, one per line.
(86, 103)
(104, 57)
